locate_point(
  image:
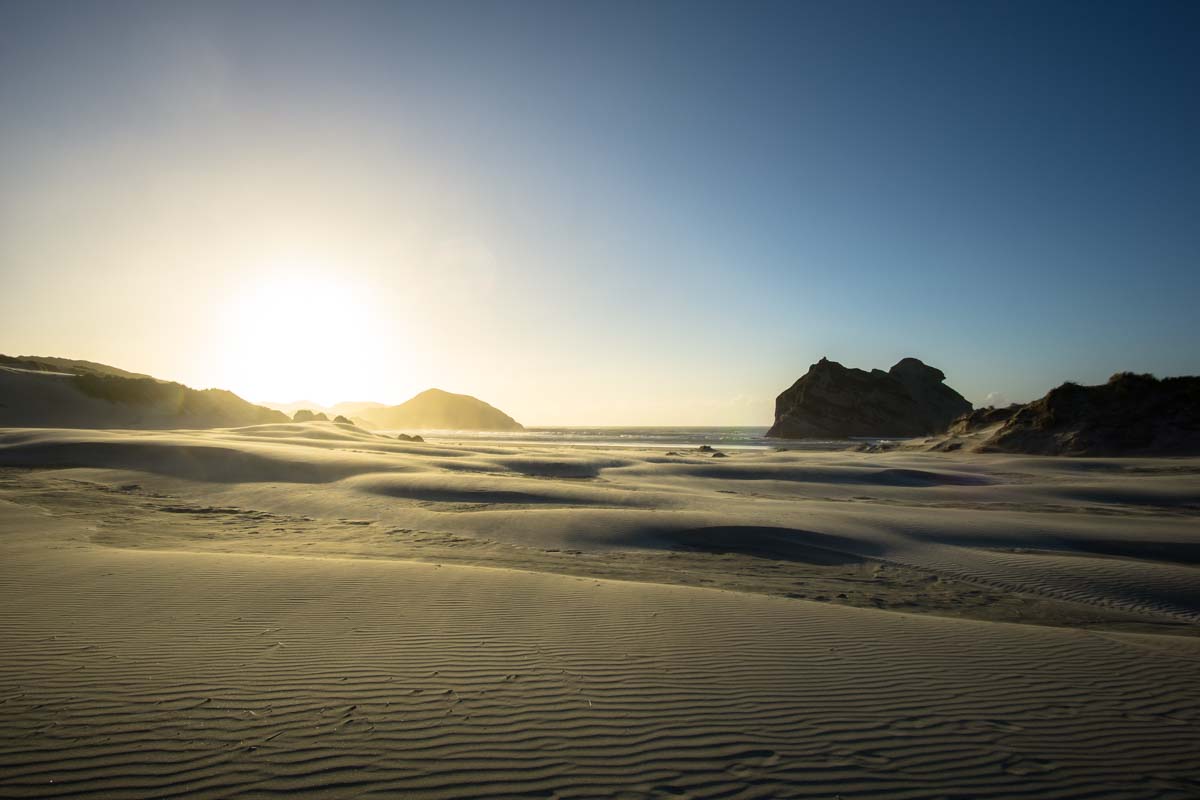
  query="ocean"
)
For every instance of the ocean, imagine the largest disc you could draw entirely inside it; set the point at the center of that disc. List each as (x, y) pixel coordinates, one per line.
(725, 438)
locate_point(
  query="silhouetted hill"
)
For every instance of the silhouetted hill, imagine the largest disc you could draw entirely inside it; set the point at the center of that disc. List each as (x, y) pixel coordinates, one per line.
(348, 408)
(831, 401)
(353, 408)
(291, 408)
(64, 393)
(1130, 415)
(434, 409)
(70, 365)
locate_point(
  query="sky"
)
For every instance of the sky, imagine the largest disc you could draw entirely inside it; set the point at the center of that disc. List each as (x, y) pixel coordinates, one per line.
(601, 213)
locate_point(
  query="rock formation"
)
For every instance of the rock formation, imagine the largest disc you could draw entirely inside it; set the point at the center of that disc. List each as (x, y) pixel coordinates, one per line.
(833, 402)
(307, 415)
(1130, 415)
(342, 420)
(434, 409)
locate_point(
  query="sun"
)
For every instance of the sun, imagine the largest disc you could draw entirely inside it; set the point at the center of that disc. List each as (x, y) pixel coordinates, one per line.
(299, 334)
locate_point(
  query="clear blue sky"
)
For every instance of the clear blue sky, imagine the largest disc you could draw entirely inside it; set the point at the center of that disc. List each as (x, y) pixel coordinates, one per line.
(602, 212)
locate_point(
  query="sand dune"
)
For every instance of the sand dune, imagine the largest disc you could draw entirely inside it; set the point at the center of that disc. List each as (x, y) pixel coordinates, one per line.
(1112, 535)
(313, 609)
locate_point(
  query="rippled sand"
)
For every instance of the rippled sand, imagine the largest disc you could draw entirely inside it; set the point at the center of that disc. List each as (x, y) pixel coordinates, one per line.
(313, 609)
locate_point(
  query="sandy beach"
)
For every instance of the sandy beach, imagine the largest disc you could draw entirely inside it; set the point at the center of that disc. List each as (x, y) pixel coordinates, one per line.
(542, 400)
(317, 610)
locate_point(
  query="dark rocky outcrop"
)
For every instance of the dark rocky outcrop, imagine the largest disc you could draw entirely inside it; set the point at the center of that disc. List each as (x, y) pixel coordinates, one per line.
(342, 420)
(434, 409)
(306, 415)
(833, 402)
(1130, 415)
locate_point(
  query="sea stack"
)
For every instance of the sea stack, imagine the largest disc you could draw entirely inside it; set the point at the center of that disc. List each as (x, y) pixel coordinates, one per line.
(831, 401)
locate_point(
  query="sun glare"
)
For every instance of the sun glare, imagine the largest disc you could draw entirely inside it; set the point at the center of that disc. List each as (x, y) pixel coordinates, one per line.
(299, 334)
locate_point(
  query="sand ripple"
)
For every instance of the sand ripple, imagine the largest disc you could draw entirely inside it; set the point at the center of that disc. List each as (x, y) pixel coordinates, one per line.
(129, 674)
